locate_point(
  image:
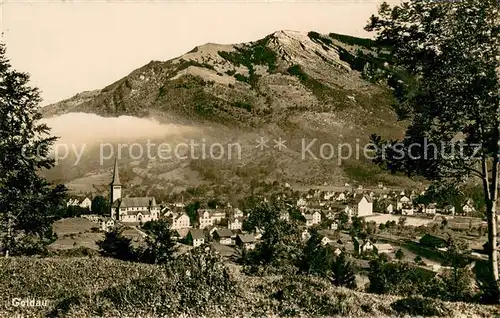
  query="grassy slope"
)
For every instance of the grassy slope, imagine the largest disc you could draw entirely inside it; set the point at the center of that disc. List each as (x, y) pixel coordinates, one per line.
(82, 287)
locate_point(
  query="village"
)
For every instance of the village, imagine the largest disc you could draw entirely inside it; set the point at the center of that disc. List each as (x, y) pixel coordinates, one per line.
(356, 221)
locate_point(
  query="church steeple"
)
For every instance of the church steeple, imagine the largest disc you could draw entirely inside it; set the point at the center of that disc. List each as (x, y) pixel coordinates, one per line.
(116, 175)
(115, 191)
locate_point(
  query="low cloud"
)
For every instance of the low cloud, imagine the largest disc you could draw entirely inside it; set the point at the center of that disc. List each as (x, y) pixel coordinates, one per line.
(83, 128)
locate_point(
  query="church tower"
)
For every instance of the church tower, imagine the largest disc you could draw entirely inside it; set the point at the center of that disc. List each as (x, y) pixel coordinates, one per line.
(115, 191)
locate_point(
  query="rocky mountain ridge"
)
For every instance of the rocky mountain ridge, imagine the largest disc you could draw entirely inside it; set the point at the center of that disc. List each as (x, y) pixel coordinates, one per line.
(298, 85)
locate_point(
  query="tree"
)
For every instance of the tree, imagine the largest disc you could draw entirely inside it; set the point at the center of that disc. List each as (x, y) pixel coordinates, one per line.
(192, 211)
(27, 201)
(100, 205)
(445, 77)
(160, 245)
(316, 258)
(343, 218)
(117, 246)
(279, 247)
(343, 272)
(402, 221)
(393, 278)
(399, 254)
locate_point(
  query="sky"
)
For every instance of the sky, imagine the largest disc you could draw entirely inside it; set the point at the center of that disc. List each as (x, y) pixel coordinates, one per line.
(72, 46)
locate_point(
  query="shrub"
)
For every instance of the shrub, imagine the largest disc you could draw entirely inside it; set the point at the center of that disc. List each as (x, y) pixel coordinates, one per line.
(393, 278)
(197, 283)
(418, 306)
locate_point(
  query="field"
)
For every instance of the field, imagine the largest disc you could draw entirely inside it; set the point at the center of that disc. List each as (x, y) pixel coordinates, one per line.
(95, 286)
(77, 232)
(383, 218)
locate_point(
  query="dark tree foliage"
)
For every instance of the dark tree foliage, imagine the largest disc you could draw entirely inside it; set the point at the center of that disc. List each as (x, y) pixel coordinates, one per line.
(280, 245)
(393, 278)
(160, 245)
(446, 54)
(117, 246)
(100, 205)
(316, 259)
(28, 202)
(342, 273)
(192, 211)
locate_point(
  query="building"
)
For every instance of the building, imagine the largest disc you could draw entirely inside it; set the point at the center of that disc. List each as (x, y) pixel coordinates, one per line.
(362, 246)
(468, 208)
(196, 237)
(449, 209)
(205, 218)
(364, 206)
(402, 201)
(86, 204)
(431, 209)
(407, 209)
(383, 248)
(107, 224)
(301, 202)
(245, 241)
(235, 223)
(179, 221)
(389, 208)
(218, 215)
(223, 236)
(130, 209)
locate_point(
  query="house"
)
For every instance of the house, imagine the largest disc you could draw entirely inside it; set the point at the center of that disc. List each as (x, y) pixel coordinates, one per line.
(285, 215)
(179, 221)
(218, 215)
(223, 236)
(196, 237)
(309, 219)
(237, 213)
(341, 197)
(401, 201)
(329, 195)
(181, 233)
(407, 209)
(86, 204)
(73, 202)
(301, 202)
(316, 217)
(334, 226)
(468, 208)
(325, 240)
(432, 241)
(364, 206)
(389, 208)
(205, 218)
(245, 241)
(107, 224)
(431, 209)
(383, 248)
(362, 246)
(449, 209)
(235, 223)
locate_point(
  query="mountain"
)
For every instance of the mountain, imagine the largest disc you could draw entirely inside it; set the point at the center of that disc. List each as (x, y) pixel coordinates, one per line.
(292, 85)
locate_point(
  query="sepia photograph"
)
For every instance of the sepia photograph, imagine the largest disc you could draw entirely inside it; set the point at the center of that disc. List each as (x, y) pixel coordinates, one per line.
(249, 158)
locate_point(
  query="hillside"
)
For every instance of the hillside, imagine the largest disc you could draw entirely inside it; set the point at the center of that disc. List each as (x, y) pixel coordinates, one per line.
(85, 287)
(293, 85)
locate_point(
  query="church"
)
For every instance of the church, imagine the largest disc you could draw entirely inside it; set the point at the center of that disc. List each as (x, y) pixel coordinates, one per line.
(130, 209)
